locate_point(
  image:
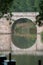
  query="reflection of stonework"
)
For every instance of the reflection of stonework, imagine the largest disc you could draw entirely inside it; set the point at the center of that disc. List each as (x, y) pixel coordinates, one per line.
(4, 34)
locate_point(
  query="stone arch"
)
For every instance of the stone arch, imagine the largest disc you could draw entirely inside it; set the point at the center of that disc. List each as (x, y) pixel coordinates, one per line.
(21, 36)
(15, 22)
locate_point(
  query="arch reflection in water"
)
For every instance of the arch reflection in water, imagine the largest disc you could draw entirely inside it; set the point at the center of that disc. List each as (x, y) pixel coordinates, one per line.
(24, 33)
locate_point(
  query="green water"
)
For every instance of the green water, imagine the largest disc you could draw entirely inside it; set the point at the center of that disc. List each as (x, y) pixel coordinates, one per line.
(27, 59)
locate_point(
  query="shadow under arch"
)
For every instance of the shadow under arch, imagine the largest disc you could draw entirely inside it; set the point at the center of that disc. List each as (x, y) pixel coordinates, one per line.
(23, 36)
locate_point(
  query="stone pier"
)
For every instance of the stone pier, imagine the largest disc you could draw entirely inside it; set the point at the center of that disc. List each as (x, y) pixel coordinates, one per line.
(5, 36)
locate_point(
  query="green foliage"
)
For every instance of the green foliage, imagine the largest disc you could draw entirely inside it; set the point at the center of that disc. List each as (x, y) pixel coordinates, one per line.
(19, 5)
(36, 5)
(5, 6)
(25, 5)
(41, 8)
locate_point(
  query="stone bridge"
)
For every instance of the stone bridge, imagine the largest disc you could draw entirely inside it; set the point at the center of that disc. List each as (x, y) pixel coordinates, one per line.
(5, 36)
(28, 15)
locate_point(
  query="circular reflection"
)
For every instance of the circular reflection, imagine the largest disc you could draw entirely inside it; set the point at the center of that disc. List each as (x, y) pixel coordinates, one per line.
(24, 33)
